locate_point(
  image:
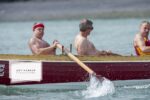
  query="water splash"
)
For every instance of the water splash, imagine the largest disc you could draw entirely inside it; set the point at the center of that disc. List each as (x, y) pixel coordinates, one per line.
(98, 87)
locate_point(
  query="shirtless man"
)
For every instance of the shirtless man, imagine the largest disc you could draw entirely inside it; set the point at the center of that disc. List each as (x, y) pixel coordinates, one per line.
(141, 41)
(83, 45)
(39, 46)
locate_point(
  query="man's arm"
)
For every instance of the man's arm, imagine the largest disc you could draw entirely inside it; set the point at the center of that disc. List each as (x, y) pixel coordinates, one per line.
(107, 53)
(142, 46)
(41, 51)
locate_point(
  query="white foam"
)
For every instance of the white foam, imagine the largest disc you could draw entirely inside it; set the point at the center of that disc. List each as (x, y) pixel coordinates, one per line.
(138, 86)
(98, 87)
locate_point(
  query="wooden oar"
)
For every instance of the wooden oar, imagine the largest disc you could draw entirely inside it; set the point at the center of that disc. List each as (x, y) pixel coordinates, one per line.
(85, 67)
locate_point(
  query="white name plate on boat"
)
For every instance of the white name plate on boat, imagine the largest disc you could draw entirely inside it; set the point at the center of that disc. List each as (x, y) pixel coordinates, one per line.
(22, 71)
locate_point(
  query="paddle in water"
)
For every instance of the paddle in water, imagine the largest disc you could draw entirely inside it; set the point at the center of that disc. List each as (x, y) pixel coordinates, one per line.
(98, 88)
(97, 84)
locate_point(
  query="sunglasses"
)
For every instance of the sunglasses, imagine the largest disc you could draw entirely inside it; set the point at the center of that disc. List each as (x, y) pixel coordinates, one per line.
(90, 28)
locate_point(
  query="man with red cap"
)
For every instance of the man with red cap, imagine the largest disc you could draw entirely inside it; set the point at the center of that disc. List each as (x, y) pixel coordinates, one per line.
(39, 46)
(83, 45)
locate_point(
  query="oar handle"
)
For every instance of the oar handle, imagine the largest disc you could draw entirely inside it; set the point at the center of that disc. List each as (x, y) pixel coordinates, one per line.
(85, 67)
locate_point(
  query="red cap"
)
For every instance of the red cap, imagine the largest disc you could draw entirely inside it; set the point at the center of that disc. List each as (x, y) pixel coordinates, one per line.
(37, 25)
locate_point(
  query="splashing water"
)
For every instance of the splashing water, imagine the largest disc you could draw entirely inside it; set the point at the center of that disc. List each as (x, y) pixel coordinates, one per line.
(98, 87)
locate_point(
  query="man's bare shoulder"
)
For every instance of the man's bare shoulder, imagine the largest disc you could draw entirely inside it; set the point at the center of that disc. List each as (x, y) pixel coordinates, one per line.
(138, 37)
(32, 40)
(79, 39)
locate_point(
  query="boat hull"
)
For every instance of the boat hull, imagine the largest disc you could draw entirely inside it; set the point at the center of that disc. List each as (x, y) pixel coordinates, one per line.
(69, 71)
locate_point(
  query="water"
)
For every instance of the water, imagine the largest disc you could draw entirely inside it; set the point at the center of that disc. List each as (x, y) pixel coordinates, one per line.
(111, 34)
(122, 92)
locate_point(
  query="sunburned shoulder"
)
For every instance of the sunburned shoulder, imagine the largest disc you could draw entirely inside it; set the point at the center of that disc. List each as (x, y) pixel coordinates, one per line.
(32, 40)
(84, 42)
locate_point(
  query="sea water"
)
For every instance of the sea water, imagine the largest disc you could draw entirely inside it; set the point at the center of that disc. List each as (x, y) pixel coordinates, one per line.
(115, 35)
(138, 91)
(109, 34)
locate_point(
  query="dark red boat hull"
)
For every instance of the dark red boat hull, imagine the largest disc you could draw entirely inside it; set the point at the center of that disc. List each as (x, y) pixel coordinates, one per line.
(62, 72)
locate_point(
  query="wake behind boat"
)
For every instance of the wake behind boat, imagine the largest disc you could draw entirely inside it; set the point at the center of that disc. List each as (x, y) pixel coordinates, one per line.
(59, 69)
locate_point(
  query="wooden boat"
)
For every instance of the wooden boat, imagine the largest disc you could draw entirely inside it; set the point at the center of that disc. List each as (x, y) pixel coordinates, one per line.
(60, 69)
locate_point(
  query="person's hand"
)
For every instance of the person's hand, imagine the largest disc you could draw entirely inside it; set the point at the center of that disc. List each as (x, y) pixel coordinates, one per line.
(55, 42)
